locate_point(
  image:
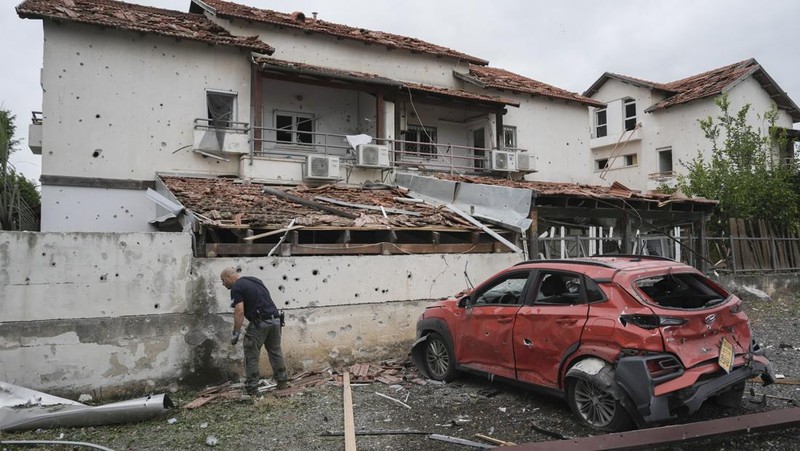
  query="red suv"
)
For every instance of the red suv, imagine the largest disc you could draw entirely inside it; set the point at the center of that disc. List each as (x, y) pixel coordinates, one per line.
(628, 340)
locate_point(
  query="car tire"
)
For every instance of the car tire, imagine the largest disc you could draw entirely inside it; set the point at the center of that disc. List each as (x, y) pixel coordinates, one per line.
(593, 404)
(439, 359)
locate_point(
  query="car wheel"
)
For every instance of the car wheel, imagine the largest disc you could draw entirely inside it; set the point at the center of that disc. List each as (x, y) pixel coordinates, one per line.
(439, 360)
(594, 406)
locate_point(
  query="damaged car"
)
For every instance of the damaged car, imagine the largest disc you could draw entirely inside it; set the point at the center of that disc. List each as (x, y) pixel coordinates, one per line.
(628, 341)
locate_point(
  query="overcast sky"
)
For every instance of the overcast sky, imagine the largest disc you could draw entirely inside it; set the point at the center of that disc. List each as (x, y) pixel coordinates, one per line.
(566, 43)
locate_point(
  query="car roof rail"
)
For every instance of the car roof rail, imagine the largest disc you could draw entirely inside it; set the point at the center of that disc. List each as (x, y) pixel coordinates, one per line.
(636, 256)
(569, 262)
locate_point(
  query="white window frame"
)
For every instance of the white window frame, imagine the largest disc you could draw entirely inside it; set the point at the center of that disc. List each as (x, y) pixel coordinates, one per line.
(659, 152)
(598, 125)
(234, 97)
(294, 132)
(628, 122)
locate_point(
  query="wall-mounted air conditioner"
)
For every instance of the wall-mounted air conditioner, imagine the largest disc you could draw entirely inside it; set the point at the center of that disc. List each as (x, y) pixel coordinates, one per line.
(502, 161)
(372, 156)
(322, 167)
(526, 162)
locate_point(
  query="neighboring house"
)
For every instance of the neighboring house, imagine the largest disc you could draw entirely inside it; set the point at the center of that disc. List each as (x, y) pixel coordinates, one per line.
(647, 129)
(228, 90)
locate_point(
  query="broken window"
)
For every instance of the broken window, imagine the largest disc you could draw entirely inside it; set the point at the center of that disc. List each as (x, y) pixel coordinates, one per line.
(509, 137)
(630, 114)
(630, 160)
(665, 160)
(601, 164)
(681, 291)
(294, 128)
(420, 135)
(600, 123)
(221, 108)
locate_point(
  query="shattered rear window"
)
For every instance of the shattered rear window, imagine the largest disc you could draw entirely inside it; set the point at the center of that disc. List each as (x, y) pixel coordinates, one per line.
(681, 291)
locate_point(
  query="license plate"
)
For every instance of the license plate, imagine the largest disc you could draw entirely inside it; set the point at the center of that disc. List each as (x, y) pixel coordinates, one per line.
(726, 355)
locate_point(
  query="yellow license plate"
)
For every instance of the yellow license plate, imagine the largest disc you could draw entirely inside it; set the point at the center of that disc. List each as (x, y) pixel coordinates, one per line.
(726, 355)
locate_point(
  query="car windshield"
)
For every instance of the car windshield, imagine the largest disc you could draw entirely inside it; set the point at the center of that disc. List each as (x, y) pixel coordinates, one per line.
(681, 291)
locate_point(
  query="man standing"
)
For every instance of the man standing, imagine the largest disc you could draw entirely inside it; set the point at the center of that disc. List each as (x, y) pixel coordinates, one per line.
(250, 299)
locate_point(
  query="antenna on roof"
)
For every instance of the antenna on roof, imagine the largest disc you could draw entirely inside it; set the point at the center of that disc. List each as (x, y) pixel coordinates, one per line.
(314, 14)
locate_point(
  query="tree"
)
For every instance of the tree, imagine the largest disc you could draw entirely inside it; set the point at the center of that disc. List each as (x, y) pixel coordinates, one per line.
(19, 200)
(744, 173)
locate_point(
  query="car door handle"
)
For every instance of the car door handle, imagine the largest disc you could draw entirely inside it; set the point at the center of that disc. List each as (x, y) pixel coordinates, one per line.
(566, 321)
(504, 320)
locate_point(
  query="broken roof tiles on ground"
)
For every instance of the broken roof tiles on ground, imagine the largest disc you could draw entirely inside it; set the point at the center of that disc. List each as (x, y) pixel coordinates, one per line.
(228, 203)
(297, 20)
(706, 84)
(491, 77)
(131, 17)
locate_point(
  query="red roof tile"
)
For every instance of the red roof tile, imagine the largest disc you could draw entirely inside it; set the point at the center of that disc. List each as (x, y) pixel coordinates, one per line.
(460, 94)
(707, 84)
(224, 201)
(225, 9)
(615, 191)
(502, 79)
(124, 16)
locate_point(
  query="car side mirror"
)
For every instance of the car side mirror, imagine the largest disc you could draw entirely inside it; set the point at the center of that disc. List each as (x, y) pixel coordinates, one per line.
(464, 302)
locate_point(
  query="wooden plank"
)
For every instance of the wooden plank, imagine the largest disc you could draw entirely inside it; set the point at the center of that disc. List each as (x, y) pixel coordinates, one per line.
(736, 244)
(306, 202)
(274, 232)
(396, 211)
(349, 420)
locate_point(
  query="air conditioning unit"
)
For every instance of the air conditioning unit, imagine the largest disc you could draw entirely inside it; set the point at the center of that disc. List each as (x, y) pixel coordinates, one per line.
(372, 156)
(502, 161)
(526, 162)
(322, 167)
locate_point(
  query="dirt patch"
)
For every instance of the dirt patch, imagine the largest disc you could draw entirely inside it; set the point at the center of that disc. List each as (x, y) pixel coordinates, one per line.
(468, 406)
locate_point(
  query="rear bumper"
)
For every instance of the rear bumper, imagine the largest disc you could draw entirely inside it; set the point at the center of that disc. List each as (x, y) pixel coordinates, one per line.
(631, 374)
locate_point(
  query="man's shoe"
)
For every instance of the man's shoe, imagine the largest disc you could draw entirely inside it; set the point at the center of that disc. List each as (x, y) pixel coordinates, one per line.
(283, 385)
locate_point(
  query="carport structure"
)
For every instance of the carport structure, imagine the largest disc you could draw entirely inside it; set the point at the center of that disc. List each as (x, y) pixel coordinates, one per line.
(423, 214)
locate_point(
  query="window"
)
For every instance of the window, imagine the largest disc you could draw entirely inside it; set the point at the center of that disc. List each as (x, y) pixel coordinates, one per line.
(420, 134)
(665, 160)
(631, 160)
(559, 288)
(630, 114)
(507, 291)
(294, 128)
(221, 108)
(509, 137)
(601, 164)
(600, 123)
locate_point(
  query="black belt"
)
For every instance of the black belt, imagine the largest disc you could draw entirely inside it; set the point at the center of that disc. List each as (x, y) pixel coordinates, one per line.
(268, 317)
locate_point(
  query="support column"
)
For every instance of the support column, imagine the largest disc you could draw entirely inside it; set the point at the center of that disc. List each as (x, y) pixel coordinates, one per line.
(499, 127)
(627, 234)
(380, 119)
(533, 235)
(256, 118)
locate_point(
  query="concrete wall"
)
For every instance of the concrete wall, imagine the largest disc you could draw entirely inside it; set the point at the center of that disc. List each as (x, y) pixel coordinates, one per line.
(120, 105)
(107, 313)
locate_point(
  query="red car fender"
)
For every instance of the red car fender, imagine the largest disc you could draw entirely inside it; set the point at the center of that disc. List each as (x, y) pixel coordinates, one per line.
(605, 353)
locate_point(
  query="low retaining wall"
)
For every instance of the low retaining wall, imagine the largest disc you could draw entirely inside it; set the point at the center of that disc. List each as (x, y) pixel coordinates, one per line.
(109, 314)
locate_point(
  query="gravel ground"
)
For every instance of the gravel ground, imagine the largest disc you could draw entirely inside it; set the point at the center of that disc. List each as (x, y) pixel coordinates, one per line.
(466, 407)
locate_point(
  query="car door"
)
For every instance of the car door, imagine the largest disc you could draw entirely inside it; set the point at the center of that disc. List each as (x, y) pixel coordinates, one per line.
(484, 337)
(548, 328)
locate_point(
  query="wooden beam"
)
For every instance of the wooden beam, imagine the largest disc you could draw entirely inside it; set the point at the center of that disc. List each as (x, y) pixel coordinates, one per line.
(367, 207)
(220, 249)
(306, 202)
(273, 232)
(349, 420)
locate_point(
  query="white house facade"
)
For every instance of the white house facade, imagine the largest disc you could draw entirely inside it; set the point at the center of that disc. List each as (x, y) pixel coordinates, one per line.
(647, 130)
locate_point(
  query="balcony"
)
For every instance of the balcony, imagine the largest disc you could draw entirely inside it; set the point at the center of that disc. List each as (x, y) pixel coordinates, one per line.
(656, 180)
(616, 139)
(217, 139)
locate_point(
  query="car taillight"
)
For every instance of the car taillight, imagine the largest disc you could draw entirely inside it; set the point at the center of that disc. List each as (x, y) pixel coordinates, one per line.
(663, 366)
(651, 321)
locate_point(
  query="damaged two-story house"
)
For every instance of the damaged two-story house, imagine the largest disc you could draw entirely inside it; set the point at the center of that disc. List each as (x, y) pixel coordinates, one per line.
(133, 92)
(646, 129)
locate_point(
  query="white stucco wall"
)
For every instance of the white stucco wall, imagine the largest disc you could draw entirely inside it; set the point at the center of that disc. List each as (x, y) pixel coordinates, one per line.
(330, 51)
(133, 98)
(93, 312)
(78, 209)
